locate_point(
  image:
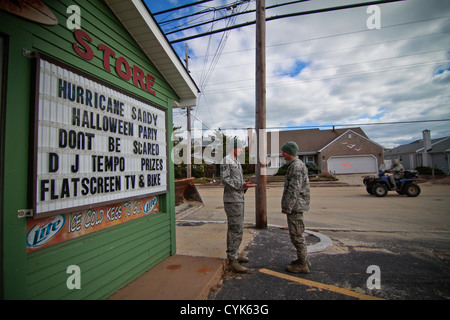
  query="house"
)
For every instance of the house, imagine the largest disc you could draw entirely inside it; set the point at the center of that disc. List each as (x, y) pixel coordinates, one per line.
(427, 152)
(338, 151)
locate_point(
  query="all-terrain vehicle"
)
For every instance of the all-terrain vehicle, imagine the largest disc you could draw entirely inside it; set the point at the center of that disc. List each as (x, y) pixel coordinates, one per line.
(381, 184)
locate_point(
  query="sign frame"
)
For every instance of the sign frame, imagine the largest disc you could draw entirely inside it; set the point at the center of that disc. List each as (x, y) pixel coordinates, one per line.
(34, 147)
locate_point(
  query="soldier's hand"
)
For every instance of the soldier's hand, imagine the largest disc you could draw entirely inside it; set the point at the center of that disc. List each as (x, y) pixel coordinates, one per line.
(248, 185)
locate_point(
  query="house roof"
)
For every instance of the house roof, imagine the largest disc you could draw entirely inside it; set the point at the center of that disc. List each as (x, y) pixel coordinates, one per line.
(312, 141)
(437, 145)
(140, 23)
(363, 135)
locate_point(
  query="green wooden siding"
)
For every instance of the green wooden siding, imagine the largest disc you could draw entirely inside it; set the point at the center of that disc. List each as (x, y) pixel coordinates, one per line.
(108, 259)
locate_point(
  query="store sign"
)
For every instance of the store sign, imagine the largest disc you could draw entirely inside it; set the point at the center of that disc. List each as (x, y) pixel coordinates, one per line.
(42, 233)
(84, 48)
(94, 144)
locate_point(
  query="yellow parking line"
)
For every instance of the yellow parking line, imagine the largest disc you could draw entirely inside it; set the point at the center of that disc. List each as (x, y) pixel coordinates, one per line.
(319, 285)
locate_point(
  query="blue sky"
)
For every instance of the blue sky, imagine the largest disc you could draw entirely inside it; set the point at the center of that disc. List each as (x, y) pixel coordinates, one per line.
(160, 5)
(324, 69)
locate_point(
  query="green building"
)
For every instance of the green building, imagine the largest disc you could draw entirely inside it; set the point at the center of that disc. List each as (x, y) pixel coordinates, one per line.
(87, 181)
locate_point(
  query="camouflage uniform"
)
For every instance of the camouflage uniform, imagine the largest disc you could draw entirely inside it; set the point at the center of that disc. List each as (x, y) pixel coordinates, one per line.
(295, 201)
(398, 171)
(233, 199)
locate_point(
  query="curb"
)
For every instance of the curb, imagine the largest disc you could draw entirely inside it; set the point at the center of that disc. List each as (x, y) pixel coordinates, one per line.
(324, 241)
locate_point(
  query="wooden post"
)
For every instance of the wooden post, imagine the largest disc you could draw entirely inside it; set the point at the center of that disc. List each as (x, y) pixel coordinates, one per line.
(189, 154)
(260, 121)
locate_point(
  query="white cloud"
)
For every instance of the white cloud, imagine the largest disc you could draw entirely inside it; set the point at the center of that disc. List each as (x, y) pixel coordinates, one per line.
(328, 68)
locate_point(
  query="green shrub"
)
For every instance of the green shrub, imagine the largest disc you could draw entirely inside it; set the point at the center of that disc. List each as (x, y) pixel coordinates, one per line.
(428, 170)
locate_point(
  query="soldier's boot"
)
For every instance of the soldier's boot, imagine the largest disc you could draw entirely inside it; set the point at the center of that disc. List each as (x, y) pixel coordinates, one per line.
(236, 267)
(242, 258)
(298, 268)
(297, 261)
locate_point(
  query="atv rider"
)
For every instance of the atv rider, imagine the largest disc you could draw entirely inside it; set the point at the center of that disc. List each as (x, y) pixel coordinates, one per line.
(398, 171)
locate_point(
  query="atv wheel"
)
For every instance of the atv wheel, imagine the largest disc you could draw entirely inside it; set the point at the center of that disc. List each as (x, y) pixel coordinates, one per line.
(379, 190)
(412, 190)
(369, 189)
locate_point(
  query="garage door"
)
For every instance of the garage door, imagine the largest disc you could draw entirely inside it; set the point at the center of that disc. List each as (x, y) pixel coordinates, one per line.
(353, 164)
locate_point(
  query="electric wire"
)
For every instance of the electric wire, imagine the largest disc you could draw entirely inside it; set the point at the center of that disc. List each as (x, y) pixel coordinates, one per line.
(231, 15)
(217, 54)
(181, 7)
(205, 77)
(333, 77)
(353, 64)
(293, 14)
(349, 33)
(329, 125)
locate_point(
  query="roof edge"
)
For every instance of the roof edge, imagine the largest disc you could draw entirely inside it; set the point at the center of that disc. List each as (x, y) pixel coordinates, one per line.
(334, 140)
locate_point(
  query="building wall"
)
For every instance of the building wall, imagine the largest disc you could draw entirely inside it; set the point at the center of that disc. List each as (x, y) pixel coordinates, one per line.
(349, 144)
(110, 258)
(440, 161)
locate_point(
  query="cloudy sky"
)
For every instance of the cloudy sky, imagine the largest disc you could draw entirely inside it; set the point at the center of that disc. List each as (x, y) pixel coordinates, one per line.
(323, 69)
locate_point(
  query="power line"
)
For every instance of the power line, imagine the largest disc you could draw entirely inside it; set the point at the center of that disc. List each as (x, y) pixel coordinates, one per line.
(226, 6)
(353, 32)
(206, 74)
(181, 7)
(233, 15)
(187, 16)
(294, 14)
(347, 64)
(363, 124)
(343, 125)
(293, 82)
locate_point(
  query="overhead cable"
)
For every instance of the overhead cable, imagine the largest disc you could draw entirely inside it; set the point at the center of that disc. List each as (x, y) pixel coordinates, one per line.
(231, 15)
(288, 15)
(181, 7)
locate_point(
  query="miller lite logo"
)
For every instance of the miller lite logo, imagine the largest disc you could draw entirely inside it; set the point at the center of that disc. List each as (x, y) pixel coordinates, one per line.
(43, 232)
(150, 205)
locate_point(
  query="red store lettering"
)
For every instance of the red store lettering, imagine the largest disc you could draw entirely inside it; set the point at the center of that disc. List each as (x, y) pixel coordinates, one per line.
(140, 79)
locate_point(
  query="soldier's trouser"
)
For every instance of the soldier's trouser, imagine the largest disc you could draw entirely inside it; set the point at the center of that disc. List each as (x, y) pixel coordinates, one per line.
(392, 180)
(296, 230)
(235, 217)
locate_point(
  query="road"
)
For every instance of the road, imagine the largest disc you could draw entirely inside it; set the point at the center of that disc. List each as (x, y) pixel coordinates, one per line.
(407, 239)
(346, 208)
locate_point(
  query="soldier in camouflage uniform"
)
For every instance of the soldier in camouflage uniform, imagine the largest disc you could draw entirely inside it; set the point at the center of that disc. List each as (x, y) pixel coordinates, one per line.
(294, 202)
(233, 199)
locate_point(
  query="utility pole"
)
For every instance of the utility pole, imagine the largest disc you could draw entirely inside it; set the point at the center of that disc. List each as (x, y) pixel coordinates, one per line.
(260, 117)
(188, 156)
(186, 59)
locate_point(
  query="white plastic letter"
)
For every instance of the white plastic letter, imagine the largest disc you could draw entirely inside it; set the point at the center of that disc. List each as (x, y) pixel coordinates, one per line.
(181, 147)
(374, 281)
(74, 21)
(374, 21)
(74, 281)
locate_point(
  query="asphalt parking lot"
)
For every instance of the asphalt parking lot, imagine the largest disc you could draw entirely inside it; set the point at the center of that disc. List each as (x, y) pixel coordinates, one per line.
(394, 248)
(406, 270)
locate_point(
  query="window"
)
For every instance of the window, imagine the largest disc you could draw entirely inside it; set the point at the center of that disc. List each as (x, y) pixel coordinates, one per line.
(309, 159)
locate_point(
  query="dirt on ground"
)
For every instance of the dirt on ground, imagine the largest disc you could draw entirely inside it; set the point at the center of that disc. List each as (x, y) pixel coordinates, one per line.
(437, 180)
(445, 180)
